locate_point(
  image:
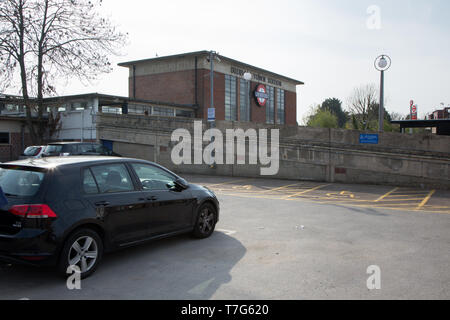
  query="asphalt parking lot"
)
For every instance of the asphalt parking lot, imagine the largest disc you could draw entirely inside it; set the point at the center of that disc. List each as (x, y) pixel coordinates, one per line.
(380, 197)
(279, 240)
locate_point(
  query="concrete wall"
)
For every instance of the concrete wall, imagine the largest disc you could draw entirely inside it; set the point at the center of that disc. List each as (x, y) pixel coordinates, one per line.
(305, 153)
(72, 123)
(78, 123)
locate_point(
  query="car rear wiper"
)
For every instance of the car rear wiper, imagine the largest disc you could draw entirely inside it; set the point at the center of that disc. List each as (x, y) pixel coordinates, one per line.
(11, 195)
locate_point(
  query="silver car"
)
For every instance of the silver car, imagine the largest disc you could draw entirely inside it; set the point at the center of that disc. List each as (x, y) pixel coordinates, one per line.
(33, 152)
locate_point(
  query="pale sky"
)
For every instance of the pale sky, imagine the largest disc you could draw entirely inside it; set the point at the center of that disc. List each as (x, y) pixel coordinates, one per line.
(326, 44)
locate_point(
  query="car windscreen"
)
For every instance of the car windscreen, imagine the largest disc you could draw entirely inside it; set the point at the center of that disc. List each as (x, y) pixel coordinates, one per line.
(32, 151)
(20, 182)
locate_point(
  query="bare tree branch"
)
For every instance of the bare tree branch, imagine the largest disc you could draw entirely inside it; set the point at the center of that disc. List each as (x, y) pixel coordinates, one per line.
(44, 40)
(360, 102)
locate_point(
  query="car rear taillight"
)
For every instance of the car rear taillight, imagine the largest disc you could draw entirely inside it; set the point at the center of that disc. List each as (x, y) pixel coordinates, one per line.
(35, 211)
(37, 152)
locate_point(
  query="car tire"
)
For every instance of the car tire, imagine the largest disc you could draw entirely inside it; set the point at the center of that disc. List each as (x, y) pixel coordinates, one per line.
(83, 249)
(206, 221)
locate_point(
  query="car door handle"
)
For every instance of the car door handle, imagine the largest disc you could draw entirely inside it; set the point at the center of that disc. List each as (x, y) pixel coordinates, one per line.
(152, 198)
(102, 204)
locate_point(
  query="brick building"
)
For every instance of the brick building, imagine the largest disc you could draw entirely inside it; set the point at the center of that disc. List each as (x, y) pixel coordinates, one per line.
(441, 114)
(185, 79)
(14, 137)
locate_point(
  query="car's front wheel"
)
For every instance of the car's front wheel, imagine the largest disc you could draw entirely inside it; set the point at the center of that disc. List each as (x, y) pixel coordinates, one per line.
(82, 252)
(206, 221)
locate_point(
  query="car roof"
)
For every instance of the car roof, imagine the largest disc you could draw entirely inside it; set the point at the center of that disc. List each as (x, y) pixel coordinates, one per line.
(69, 143)
(54, 162)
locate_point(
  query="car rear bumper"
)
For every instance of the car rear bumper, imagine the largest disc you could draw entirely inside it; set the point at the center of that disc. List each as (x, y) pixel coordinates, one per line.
(30, 247)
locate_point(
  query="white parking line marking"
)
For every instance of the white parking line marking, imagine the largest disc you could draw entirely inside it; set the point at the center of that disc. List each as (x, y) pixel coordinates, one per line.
(201, 287)
(227, 232)
(226, 183)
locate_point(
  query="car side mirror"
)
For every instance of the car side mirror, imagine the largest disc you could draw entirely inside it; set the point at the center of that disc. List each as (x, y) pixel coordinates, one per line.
(182, 184)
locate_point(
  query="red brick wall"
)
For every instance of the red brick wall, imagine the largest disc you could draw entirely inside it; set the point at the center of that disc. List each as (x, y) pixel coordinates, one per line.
(5, 153)
(291, 108)
(258, 114)
(219, 94)
(174, 87)
(13, 151)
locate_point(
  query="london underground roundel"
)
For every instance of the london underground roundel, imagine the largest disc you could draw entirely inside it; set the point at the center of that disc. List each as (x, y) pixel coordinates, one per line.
(261, 95)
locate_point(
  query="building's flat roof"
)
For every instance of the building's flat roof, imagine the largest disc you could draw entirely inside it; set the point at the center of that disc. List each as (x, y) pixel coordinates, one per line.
(206, 53)
(20, 117)
(422, 123)
(110, 99)
(104, 98)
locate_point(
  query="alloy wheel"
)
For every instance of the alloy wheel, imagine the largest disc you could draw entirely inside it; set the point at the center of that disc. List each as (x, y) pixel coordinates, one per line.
(83, 254)
(206, 221)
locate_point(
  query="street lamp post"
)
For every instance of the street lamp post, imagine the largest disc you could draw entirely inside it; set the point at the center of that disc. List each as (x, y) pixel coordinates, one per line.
(248, 77)
(213, 55)
(212, 122)
(382, 64)
(211, 60)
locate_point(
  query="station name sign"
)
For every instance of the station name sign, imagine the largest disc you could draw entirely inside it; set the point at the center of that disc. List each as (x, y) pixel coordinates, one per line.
(369, 139)
(257, 77)
(261, 95)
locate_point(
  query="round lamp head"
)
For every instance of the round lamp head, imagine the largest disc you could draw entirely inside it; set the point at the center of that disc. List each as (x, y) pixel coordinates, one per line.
(382, 63)
(248, 76)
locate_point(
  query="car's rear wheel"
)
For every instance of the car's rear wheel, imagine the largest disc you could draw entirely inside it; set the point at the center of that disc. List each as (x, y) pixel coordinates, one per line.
(82, 252)
(206, 221)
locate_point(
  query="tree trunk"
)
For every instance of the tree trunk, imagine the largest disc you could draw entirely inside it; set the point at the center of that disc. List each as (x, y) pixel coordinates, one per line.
(23, 74)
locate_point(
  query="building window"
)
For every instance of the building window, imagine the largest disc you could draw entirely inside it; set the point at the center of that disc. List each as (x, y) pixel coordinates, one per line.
(185, 113)
(78, 106)
(10, 108)
(230, 98)
(111, 110)
(4, 137)
(244, 94)
(138, 109)
(270, 106)
(281, 107)
(164, 112)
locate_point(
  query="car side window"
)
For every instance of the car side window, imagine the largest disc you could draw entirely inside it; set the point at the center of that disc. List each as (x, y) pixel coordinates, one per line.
(100, 149)
(89, 184)
(113, 178)
(85, 148)
(105, 151)
(153, 178)
(97, 148)
(71, 149)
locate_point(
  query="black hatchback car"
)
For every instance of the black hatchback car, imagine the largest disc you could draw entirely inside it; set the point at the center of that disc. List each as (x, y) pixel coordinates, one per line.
(68, 211)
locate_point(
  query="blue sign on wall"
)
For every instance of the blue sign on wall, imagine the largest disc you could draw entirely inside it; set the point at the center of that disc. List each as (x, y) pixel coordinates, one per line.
(369, 139)
(108, 144)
